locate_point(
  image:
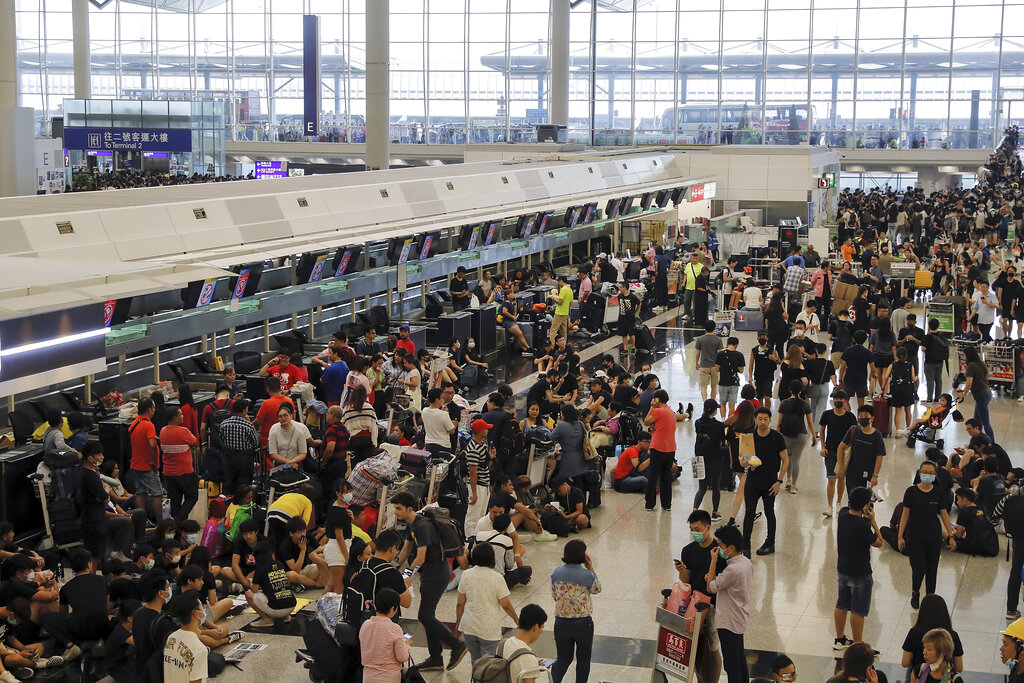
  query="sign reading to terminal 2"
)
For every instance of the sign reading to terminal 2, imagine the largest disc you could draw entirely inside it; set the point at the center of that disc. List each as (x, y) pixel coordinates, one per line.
(129, 139)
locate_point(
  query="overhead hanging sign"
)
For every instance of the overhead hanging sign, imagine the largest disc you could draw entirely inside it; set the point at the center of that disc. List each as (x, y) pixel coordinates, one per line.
(699, 193)
(129, 139)
(311, 74)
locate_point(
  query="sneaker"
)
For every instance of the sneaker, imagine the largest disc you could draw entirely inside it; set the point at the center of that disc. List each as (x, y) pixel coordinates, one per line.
(840, 644)
(545, 537)
(757, 515)
(298, 588)
(648, 509)
(22, 673)
(794, 489)
(235, 636)
(715, 517)
(118, 555)
(236, 588)
(458, 654)
(262, 623)
(431, 664)
(766, 549)
(1020, 399)
(8, 677)
(1012, 614)
(732, 523)
(49, 662)
(72, 653)
(875, 498)
(915, 600)
(827, 512)
(527, 353)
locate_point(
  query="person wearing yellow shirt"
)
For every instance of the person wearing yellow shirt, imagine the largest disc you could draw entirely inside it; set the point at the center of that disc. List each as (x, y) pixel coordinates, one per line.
(690, 274)
(563, 301)
(286, 507)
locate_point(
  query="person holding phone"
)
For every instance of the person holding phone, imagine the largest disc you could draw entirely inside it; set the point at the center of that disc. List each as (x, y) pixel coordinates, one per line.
(572, 584)
(384, 647)
(859, 666)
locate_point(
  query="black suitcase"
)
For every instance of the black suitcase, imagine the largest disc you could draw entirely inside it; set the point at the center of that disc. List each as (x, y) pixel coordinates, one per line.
(64, 523)
(644, 339)
(541, 330)
(381, 319)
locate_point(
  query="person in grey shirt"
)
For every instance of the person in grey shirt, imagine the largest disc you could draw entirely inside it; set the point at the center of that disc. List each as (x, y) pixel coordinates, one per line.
(708, 345)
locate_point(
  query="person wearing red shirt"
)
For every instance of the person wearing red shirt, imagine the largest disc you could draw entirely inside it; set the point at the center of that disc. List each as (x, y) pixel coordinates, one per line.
(629, 470)
(404, 342)
(220, 402)
(176, 444)
(662, 420)
(281, 367)
(144, 469)
(267, 415)
(188, 409)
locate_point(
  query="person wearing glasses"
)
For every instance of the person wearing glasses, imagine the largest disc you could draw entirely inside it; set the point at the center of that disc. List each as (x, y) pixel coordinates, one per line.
(783, 669)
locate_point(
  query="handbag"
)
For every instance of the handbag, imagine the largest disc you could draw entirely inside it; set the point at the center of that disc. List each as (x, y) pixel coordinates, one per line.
(589, 452)
(411, 673)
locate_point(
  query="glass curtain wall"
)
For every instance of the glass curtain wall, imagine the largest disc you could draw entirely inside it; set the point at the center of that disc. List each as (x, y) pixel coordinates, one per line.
(864, 73)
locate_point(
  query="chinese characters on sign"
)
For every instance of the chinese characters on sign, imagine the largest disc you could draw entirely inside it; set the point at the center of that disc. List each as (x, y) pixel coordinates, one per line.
(129, 139)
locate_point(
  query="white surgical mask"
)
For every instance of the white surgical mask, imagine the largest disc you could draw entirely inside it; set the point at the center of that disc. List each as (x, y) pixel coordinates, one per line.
(347, 498)
(192, 538)
(31, 577)
(150, 564)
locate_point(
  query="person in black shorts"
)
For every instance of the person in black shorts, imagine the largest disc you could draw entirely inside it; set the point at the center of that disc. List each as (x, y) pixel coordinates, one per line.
(629, 305)
(764, 362)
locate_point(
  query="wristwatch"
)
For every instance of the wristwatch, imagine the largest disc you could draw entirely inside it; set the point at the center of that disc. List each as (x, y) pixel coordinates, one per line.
(778, 481)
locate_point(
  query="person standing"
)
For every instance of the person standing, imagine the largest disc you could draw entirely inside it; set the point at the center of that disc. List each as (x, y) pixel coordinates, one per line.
(335, 376)
(729, 367)
(1010, 509)
(708, 444)
(857, 532)
(692, 566)
(920, 533)
(572, 584)
(707, 346)
(662, 421)
(764, 363)
(794, 412)
(835, 425)
(764, 481)
(731, 587)
(145, 461)
(435, 575)
(563, 302)
(437, 424)
(853, 372)
(860, 454)
(241, 445)
(382, 643)
(629, 306)
(936, 353)
(984, 303)
(176, 446)
(690, 274)
(459, 289)
(483, 595)
(981, 391)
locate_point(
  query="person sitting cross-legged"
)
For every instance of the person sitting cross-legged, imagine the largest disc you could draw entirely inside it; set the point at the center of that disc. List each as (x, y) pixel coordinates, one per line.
(630, 468)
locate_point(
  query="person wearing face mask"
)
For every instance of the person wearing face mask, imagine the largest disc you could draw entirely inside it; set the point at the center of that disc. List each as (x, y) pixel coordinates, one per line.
(938, 658)
(692, 566)
(857, 532)
(1009, 289)
(338, 530)
(860, 453)
(764, 363)
(156, 591)
(1011, 650)
(834, 425)
(920, 534)
(728, 579)
(92, 501)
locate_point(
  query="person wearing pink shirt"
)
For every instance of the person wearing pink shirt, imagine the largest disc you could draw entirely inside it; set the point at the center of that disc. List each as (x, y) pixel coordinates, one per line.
(384, 647)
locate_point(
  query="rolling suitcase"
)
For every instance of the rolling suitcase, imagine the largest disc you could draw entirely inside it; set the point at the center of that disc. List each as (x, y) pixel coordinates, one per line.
(644, 339)
(415, 461)
(880, 406)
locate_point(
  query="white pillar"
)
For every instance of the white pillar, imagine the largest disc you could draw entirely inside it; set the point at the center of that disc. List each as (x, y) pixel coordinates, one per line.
(378, 134)
(558, 91)
(8, 56)
(80, 34)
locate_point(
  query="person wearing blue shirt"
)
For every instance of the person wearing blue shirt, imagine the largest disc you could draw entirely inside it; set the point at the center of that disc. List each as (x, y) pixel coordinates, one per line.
(795, 258)
(333, 380)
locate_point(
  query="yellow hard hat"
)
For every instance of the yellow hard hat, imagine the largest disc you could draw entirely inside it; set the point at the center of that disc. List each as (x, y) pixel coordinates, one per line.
(1015, 630)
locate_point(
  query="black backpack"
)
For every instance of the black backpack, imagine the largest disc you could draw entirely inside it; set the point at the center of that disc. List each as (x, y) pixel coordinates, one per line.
(630, 429)
(511, 442)
(217, 418)
(357, 599)
(155, 663)
(448, 533)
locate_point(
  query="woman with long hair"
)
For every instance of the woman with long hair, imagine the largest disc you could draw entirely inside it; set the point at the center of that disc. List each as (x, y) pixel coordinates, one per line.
(859, 666)
(190, 419)
(360, 420)
(981, 391)
(793, 370)
(740, 422)
(881, 346)
(794, 413)
(338, 531)
(861, 311)
(534, 418)
(776, 323)
(569, 434)
(932, 615)
(903, 381)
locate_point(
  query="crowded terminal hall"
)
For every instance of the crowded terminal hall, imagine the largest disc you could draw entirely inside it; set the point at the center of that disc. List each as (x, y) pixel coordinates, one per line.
(642, 385)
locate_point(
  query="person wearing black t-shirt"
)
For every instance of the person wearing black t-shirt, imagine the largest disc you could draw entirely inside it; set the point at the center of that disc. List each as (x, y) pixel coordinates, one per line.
(435, 574)
(920, 533)
(270, 595)
(729, 365)
(974, 534)
(294, 552)
(86, 597)
(693, 565)
(853, 372)
(860, 453)
(459, 289)
(856, 533)
(764, 480)
(337, 530)
(835, 425)
(149, 632)
(243, 555)
(382, 573)
(820, 372)
(541, 393)
(764, 363)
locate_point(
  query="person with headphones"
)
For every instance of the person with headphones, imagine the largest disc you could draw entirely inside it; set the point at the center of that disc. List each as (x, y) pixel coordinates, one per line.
(1011, 649)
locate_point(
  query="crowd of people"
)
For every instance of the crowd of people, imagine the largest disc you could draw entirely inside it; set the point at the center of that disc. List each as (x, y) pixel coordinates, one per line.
(88, 181)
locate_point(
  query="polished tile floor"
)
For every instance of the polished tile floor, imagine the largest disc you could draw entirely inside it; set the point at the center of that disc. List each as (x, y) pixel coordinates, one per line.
(793, 592)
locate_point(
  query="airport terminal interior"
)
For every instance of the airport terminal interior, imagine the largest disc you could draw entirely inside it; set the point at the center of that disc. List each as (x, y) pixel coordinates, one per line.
(548, 340)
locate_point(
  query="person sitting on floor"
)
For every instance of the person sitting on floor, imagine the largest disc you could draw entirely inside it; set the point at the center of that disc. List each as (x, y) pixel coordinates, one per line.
(974, 533)
(270, 594)
(629, 470)
(507, 562)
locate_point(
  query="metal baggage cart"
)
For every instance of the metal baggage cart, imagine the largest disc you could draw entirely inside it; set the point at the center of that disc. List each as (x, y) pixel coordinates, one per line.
(764, 269)
(943, 311)
(999, 362)
(961, 346)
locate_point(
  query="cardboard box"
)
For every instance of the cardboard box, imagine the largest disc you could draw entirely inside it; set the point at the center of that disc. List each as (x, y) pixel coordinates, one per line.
(844, 291)
(840, 305)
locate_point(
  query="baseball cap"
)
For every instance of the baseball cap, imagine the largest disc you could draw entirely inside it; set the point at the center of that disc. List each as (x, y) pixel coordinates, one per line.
(404, 328)
(601, 374)
(479, 425)
(710, 405)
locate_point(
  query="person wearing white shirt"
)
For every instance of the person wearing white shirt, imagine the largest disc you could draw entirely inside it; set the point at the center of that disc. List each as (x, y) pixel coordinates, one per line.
(620, 267)
(483, 596)
(810, 320)
(984, 304)
(751, 297)
(288, 440)
(437, 424)
(523, 665)
(184, 653)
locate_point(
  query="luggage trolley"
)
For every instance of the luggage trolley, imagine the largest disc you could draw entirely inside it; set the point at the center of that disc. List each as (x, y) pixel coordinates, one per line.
(1000, 363)
(60, 533)
(386, 517)
(292, 479)
(961, 346)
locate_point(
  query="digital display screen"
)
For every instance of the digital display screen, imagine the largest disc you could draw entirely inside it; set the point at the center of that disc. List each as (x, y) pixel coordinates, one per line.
(545, 221)
(492, 233)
